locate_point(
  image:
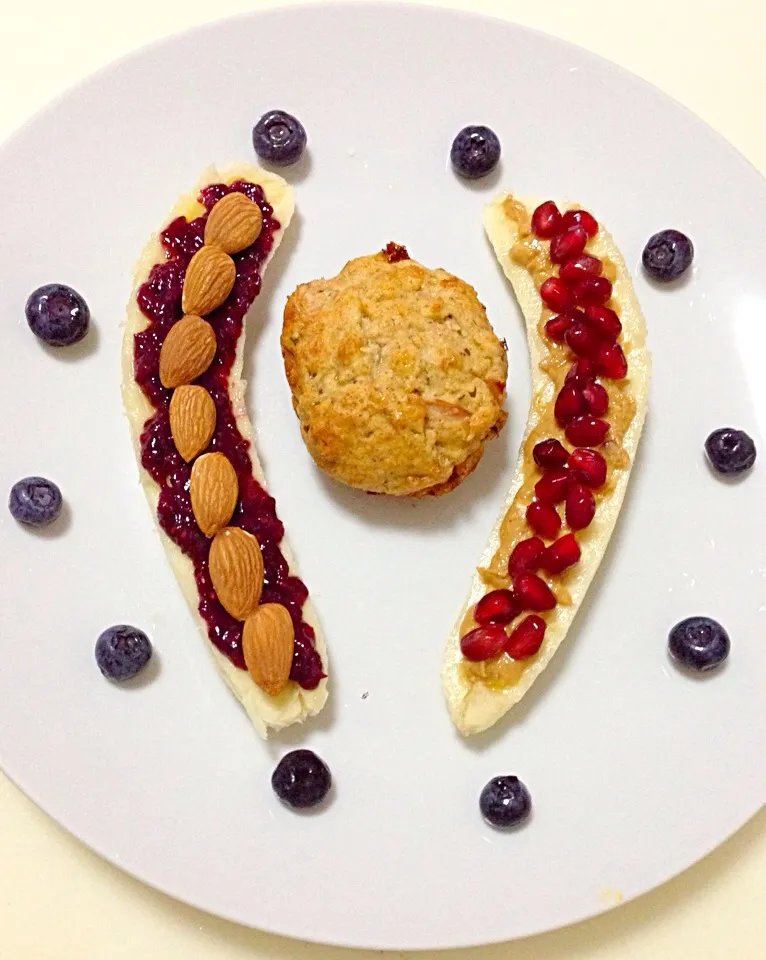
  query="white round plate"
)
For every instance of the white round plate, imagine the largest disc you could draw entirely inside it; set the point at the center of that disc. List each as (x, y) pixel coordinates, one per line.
(636, 769)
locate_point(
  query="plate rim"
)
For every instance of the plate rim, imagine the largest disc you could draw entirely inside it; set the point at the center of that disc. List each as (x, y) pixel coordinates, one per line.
(358, 7)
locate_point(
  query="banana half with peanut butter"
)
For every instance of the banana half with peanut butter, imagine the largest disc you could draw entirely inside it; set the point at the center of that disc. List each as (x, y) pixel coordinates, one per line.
(590, 382)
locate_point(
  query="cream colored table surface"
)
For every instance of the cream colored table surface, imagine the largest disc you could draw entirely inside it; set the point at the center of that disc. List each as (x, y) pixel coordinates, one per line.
(58, 901)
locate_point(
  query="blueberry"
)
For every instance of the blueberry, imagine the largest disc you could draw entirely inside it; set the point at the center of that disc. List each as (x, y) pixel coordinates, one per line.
(279, 138)
(667, 255)
(730, 451)
(57, 314)
(699, 643)
(505, 801)
(35, 500)
(122, 652)
(475, 151)
(301, 779)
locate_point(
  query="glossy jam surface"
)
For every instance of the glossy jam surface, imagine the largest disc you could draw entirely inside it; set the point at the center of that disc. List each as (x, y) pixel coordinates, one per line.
(160, 301)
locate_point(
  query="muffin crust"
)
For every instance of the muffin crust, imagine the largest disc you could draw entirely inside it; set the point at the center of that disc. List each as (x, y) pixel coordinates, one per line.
(397, 377)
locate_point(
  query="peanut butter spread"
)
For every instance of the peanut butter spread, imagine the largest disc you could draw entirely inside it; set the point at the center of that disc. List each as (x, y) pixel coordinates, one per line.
(533, 254)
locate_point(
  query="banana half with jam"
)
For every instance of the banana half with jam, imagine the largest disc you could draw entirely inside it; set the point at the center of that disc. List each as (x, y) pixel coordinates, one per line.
(184, 396)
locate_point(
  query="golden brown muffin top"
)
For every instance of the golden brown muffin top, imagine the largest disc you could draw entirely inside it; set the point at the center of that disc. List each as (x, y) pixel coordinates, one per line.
(397, 377)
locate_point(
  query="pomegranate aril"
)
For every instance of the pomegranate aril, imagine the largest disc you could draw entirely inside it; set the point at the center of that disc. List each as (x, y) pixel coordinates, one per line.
(586, 431)
(592, 290)
(589, 467)
(570, 403)
(525, 556)
(581, 372)
(610, 361)
(565, 246)
(550, 453)
(533, 593)
(556, 327)
(526, 639)
(580, 267)
(580, 506)
(596, 398)
(582, 340)
(556, 294)
(604, 321)
(561, 554)
(580, 218)
(543, 519)
(553, 486)
(483, 643)
(498, 606)
(546, 220)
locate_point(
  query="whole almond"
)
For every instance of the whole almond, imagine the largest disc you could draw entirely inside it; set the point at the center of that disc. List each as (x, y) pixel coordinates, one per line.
(208, 281)
(214, 490)
(233, 223)
(236, 569)
(192, 420)
(187, 352)
(267, 644)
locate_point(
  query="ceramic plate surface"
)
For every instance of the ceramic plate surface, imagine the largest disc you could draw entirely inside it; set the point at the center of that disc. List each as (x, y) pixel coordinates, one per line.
(636, 770)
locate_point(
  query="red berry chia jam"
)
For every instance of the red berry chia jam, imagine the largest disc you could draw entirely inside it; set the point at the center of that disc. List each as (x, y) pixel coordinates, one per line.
(160, 301)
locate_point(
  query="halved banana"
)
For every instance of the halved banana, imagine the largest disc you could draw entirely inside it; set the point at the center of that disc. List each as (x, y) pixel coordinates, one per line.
(293, 703)
(479, 694)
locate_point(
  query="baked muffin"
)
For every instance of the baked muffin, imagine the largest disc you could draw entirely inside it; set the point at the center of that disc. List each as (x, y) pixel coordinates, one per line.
(397, 378)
